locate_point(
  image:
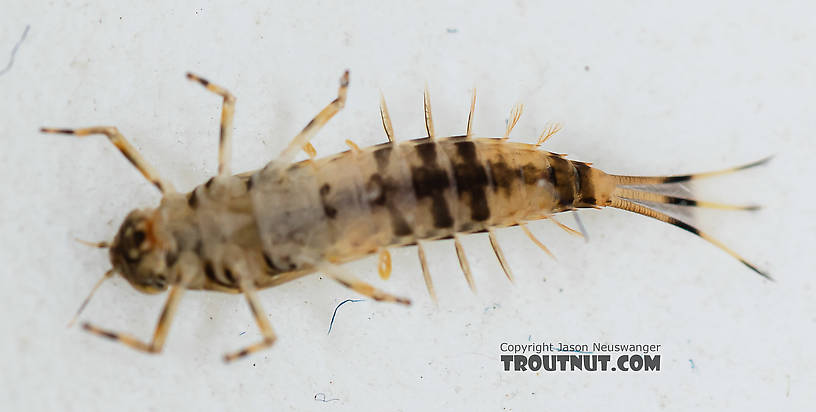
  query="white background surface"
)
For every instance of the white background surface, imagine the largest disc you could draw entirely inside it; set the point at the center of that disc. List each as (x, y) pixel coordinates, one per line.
(641, 89)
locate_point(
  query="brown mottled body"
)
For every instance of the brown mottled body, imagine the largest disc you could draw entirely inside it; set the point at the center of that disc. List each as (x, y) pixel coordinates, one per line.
(241, 233)
(288, 221)
(351, 204)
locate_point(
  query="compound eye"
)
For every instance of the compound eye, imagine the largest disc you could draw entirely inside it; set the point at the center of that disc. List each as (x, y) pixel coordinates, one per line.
(138, 237)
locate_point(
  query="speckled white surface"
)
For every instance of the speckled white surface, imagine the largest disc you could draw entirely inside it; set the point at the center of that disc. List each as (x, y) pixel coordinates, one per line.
(640, 89)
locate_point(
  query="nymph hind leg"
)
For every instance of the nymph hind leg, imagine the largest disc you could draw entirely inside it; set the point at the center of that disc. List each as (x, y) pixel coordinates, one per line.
(227, 114)
(130, 152)
(186, 268)
(247, 286)
(350, 281)
(269, 337)
(300, 141)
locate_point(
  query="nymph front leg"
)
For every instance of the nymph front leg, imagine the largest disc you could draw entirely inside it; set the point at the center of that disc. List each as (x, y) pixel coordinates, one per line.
(125, 147)
(227, 114)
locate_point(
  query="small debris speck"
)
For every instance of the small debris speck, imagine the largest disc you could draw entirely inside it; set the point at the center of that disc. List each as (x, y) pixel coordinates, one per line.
(320, 396)
(14, 51)
(338, 307)
(452, 30)
(492, 307)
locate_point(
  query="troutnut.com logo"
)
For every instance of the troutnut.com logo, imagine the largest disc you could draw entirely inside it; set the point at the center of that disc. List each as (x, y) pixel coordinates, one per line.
(570, 357)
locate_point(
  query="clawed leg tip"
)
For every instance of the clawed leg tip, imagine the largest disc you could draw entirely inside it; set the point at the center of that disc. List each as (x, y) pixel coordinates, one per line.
(193, 77)
(53, 130)
(231, 357)
(765, 275)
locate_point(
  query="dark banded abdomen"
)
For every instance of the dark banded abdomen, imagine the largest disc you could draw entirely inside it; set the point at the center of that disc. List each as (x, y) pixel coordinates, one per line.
(396, 194)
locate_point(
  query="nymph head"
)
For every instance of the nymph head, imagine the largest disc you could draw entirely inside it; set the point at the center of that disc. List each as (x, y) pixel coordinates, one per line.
(137, 253)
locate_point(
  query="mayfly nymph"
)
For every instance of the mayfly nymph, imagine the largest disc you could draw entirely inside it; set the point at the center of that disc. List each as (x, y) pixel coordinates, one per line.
(244, 232)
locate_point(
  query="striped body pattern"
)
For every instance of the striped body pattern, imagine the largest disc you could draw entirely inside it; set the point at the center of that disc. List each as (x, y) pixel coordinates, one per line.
(240, 233)
(352, 204)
